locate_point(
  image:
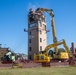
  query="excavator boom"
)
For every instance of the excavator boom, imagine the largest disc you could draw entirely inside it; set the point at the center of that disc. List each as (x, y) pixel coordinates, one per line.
(50, 11)
(63, 42)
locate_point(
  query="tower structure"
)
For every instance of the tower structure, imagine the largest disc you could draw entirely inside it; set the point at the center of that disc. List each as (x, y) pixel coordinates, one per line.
(37, 38)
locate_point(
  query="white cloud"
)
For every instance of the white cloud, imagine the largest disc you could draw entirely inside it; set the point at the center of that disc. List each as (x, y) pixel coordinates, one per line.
(33, 6)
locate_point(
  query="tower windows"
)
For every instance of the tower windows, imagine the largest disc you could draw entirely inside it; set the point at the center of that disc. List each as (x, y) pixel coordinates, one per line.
(30, 48)
(40, 32)
(44, 27)
(40, 48)
(40, 24)
(30, 57)
(43, 19)
(40, 39)
(29, 40)
(32, 25)
(30, 33)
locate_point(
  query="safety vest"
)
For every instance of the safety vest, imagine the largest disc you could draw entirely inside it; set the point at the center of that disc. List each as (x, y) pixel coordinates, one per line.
(13, 58)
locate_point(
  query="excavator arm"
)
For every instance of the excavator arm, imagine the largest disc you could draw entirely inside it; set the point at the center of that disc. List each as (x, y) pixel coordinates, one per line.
(63, 42)
(56, 43)
(50, 11)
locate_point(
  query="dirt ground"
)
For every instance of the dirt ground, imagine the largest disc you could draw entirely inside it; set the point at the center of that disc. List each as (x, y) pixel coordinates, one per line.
(31, 64)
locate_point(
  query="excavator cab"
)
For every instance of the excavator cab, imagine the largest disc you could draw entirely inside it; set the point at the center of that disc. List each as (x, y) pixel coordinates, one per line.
(40, 58)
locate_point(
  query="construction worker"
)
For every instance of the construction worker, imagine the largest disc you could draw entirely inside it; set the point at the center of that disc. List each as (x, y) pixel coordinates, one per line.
(8, 55)
(13, 59)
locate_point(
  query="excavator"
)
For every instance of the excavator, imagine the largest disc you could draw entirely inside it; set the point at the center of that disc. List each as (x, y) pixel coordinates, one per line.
(43, 57)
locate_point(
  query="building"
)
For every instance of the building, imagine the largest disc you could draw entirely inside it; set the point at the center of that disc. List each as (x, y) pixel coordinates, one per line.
(37, 38)
(3, 51)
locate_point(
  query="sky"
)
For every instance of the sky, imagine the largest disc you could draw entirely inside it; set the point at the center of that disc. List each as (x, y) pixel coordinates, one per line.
(13, 20)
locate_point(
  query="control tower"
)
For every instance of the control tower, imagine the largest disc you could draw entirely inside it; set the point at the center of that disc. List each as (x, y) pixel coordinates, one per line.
(37, 38)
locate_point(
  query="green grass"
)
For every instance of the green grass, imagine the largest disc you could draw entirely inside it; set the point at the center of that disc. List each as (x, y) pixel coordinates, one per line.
(40, 71)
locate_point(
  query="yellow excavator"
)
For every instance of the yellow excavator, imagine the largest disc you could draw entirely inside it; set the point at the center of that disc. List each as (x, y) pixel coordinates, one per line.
(43, 57)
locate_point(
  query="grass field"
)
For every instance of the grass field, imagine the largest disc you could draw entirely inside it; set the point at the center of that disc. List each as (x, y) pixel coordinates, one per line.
(40, 71)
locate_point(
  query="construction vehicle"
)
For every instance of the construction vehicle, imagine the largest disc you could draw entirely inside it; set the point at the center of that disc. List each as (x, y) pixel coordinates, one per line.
(9, 58)
(43, 57)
